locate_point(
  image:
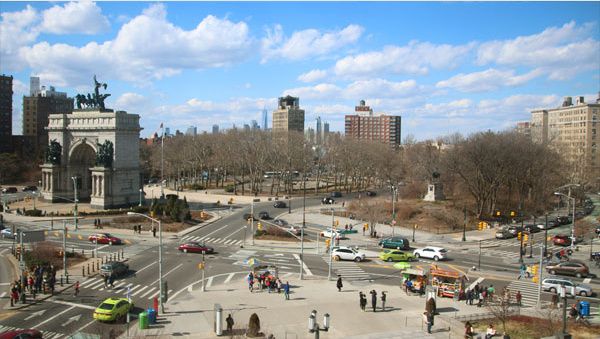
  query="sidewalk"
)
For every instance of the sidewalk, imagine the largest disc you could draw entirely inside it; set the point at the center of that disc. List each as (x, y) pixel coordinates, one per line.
(191, 314)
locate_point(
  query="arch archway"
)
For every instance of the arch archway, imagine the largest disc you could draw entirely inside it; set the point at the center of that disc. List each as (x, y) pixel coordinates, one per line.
(82, 158)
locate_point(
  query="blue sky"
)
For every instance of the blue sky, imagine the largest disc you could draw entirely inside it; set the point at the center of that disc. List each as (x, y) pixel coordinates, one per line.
(445, 67)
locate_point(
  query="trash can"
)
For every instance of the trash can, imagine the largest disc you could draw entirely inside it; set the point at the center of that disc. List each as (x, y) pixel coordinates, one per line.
(585, 308)
(143, 320)
(151, 315)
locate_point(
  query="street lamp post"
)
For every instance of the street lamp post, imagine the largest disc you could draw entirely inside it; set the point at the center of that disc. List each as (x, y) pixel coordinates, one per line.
(141, 191)
(572, 219)
(303, 225)
(313, 326)
(160, 260)
(464, 237)
(394, 190)
(75, 199)
(330, 245)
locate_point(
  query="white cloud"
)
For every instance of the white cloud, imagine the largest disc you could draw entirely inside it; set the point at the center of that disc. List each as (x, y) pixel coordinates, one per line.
(130, 101)
(488, 80)
(307, 43)
(561, 52)
(81, 17)
(378, 88)
(415, 58)
(146, 48)
(313, 75)
(16, 30)
(320, 91)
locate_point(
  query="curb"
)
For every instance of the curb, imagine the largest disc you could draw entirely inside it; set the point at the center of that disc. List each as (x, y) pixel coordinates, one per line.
(199, 226)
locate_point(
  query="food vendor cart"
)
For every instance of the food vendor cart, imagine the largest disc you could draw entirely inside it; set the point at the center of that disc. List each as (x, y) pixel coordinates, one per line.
(417, 279)
(447, 283)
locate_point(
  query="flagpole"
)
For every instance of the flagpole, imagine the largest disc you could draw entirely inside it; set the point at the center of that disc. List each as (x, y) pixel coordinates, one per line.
(162, 160)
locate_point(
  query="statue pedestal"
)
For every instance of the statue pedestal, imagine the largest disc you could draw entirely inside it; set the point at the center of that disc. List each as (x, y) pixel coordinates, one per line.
(51, 183)
(435, 192)
(101, 197)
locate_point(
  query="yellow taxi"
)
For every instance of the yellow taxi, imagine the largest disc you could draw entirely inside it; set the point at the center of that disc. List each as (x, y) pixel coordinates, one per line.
(113, 309)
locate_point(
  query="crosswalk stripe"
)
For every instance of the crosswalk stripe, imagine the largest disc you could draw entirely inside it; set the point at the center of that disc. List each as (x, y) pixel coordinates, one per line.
(95, 285)
(140, 290)
(134, 287)
(87, 282)
(196, 239)
(207, 239)
(2, 294)
(229, 241)
(229, 278)
(153, 295)
(587, 280)
(209, 282)
(147, 292)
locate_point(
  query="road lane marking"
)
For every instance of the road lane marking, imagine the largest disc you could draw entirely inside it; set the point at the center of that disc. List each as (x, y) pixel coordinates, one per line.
(4, 251)
(101, 247)
(140, 290)
(35, 314)
(209, 282)
(53, 317)
(229, 278)
(152, 263)
(304, 267)
(88, 282)
(478, 281)
(218, 229)
(2, 294)
(148, 292)
(84, 326)
(134, 287)
(239, 229)
(228, 241)
(164, 275)
(199, 281)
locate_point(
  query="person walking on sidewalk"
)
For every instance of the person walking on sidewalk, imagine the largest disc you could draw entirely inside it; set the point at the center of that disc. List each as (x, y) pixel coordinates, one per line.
(428, 319)
(154, 232)
(363, 301)
(518, 296)
(286, 290)
(76, 287)
(14, 296)
(250, 282)
(383, 298)
(229, 322)
(339, 283)
(374, 300)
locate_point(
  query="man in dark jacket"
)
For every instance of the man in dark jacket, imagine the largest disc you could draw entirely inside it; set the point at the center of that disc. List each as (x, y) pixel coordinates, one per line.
(374, 300)
(339, 283)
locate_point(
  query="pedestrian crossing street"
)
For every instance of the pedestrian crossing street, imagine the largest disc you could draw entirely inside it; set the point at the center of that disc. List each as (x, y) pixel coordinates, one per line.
(211, 240)
(349, 270)
(45, 334)
(529, 292)
(122, 287)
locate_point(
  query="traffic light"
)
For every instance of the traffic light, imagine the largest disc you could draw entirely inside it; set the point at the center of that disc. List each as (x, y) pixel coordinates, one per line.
(481, 225)
(534, 269)
(259, 226)
(337, 222)
(512, 213)
(525, 237)
(519, 235)
(498, 213)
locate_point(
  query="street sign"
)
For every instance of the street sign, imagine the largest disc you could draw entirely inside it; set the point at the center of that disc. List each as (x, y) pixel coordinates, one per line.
(22, 266)
(33, 236)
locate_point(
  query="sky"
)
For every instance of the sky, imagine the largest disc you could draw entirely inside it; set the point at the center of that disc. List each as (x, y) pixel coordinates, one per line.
(445, 67)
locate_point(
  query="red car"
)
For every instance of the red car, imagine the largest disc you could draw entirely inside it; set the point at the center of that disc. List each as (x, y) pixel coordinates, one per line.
(29, 333)
(561, 240)
(194, 247)
(104, 238)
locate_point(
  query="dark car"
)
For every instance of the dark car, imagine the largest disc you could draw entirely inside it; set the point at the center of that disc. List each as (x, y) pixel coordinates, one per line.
(336, 194)
(21, 334)
(114, 268)
(279, 204)
(514, 229)
(563, 220)
(11, 189)
(578, 269)
(531, 228)
(280, 222)
(371, 193)
(195, 247)
(264, 215)
(30, 189)
(399, 243)
(327, 201)
(504, 233)
(598, 230)
(247, 216)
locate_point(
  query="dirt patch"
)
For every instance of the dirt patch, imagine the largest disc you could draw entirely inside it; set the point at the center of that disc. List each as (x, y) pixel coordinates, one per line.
(168, 225)
(525, 327)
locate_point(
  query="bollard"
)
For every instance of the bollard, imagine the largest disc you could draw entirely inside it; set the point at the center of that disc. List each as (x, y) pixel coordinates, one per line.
(83, 252)
(88, 265)
(82, 272)
(155, 305)
(98, 265)
(61, 280)
(122, 254)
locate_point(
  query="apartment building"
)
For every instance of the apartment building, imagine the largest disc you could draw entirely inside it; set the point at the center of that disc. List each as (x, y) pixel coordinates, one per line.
(288, 116)
(364, 125)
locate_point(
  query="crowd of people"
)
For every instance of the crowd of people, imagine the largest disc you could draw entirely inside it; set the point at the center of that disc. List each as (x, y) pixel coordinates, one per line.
(268, 281)
(40, 279)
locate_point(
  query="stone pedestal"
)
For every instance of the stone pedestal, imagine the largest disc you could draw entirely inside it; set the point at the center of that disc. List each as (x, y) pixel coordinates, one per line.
(435, 192)
(52, 176)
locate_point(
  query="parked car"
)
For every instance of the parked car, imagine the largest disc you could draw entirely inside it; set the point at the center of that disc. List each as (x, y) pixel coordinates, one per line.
(7, 233)
(29, 189)
(371, 193)
(531, 228)
(113, 309)
(327, 201)
(398, 243)
(104, 238)
(575, 268)
(563, 220)
(264, 215)
(21, 334)
(328, 233)
(114, 269)
(336, 194)
(279, 204)
(247, 216)
(295, 230)
(195, 247)
(554, 284)
(395, 255)
(347, 254)
(514, 229)
(598, 230)
(561, 240)
(431, 252)
(504, 233)
(10, 189)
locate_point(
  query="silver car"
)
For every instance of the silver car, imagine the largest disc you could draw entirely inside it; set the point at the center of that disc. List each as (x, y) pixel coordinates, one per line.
(554, 284)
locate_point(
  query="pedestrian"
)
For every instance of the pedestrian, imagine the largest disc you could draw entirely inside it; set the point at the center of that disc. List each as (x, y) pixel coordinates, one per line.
(14, 296)
(481, 299)
(383, 298)
(339, 283)
(76, 287)
(154, 232)
(30, 283)
(518, 296)
(229, 322)
(105, 278)
(111, 281)
(374, 300)
(554, 299)
(286, 290)
(278, 285)
(522, 271)
(363, 301)
(134, 229)
(429, 317)
(491, 292)
(469, 298)
(364, 229)
(268, 283)
(468, 330)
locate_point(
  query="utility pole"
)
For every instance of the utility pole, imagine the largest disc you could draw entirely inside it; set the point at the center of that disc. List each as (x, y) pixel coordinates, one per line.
(252, 221)
(479, 260)
(546, 237)
(203, 267)
(75, 199)
(464, 238)
(540, 273)
(521, 244)
(393, 209)
(65, 250)
(303, 225)
(330, 245)
(162, 161)
(22, 265)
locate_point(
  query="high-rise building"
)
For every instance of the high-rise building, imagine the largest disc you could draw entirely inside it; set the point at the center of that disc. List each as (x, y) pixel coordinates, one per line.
(325, 132)
(6, 93)
(265, 118)
(572, 129)
(37, 108)
(364, 125)
(319, 132)
(255, 125)
(309, 135)
(523, 128)
(34, 86)
(215, 129)
(192, 130)
(288, 116)
(167, 131)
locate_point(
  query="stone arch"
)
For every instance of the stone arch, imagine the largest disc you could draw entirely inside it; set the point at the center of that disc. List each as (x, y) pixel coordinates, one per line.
(82, 157)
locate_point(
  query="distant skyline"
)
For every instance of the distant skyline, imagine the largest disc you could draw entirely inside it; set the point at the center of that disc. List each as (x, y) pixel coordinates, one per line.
(445, 67)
